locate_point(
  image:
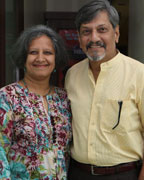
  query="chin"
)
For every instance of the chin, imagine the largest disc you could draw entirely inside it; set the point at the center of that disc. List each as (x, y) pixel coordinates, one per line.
(96, 57)
(41, 77)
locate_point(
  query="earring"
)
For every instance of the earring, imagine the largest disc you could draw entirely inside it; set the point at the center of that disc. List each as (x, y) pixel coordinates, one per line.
(24, 69)
(54, 70)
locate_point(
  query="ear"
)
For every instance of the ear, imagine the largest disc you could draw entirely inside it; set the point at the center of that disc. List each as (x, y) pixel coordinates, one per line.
(117, 34)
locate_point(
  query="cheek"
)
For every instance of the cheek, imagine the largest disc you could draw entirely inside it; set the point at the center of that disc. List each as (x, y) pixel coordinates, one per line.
(83, 43)
(52, 63)
(28, 60)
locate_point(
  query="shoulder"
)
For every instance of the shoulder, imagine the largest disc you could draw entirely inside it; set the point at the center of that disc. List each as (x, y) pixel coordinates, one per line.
(8, 88)
(77, 69)
(6, 96)
(78, 66)
(11, 93)
(61, 97)
(131, 61)
(132, 67)
(61, 93)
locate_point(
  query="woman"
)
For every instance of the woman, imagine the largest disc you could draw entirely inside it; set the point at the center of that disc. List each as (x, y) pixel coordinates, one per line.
(35, 127)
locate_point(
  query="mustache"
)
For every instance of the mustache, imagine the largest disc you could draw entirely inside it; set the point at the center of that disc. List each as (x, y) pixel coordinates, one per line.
(98, 43)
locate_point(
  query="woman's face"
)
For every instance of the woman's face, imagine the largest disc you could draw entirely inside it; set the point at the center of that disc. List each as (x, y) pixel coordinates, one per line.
(40, 60)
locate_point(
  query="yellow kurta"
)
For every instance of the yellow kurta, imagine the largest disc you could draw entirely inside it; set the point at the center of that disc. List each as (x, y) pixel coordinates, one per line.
(100, 137)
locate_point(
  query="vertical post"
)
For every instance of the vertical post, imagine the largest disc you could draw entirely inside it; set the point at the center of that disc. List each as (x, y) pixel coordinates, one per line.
(19, 7)
(2, 43)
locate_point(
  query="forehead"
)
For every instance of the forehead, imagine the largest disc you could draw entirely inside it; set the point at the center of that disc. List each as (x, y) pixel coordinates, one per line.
(101, 18)
(40, 41)
(42, 38)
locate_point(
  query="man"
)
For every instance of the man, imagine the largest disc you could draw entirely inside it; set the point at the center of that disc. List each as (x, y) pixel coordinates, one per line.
(106, 91)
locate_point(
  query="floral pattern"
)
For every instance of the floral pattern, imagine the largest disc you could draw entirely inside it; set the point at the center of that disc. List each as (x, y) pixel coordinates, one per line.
(34, 143)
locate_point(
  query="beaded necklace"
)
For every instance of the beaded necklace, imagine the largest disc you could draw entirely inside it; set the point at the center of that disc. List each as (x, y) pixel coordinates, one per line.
(25, 84)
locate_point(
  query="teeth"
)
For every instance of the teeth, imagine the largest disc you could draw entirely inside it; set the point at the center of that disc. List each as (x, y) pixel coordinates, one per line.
(95, 46)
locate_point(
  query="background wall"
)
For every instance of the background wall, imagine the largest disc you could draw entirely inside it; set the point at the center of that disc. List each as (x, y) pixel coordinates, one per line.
(33, 12)
(34, 9)
(136, 30)
(62, 5)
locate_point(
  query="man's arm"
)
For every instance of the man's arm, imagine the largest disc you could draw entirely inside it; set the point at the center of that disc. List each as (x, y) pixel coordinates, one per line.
(141, 175)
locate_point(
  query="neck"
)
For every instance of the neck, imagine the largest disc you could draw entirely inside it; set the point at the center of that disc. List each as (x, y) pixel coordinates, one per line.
(95, 65)
(36, 86)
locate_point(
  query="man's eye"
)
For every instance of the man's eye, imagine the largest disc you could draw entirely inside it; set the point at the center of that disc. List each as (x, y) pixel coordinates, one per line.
(102, 29)
(85, 32)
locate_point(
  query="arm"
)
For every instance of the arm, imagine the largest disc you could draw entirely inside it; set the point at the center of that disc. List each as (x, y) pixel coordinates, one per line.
(141, 175)
(141, 110)
(5, 136)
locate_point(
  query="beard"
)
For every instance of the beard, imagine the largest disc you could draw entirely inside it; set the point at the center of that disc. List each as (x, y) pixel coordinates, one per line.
(94, 56)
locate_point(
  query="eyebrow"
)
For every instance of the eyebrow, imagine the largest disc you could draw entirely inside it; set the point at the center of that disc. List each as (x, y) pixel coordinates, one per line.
(86, 26)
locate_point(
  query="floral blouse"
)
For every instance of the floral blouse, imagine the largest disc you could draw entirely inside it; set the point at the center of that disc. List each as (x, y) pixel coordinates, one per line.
(34, 143)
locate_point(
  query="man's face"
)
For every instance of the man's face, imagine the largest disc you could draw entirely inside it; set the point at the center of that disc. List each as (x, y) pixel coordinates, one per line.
(98, 38)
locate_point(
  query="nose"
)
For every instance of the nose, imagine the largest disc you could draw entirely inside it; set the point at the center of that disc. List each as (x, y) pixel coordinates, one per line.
(94, 36)
(40, 56)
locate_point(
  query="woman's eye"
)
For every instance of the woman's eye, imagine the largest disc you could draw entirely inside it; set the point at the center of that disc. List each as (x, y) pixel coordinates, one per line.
(47, 52)
(33, 52)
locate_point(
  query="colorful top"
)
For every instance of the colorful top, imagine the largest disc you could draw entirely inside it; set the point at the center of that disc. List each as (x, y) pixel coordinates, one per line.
(34, 143)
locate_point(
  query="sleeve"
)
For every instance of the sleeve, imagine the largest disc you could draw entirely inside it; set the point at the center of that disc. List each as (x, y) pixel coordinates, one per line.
(5, 136)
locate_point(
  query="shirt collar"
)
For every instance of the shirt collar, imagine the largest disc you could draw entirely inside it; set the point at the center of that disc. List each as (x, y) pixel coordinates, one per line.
(111, 62)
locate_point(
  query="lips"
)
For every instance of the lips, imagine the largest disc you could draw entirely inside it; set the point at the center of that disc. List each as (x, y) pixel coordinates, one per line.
(93, 46)
(40, 65)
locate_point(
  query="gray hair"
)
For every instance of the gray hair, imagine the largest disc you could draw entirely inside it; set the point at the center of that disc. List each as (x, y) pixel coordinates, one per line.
(20, 49)
(91, 9)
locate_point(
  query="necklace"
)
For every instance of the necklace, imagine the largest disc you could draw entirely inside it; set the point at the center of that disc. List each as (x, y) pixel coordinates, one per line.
(25, 84)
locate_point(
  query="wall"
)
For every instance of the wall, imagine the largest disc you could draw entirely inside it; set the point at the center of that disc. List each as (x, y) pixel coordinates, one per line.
(64, 5)
(34, 15)
(136, 30)
(33, 12)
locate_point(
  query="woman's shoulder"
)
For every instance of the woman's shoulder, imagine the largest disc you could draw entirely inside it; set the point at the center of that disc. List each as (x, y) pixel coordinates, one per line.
(60, 89)
(61, 93)
(11, 89)
(8, 87)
